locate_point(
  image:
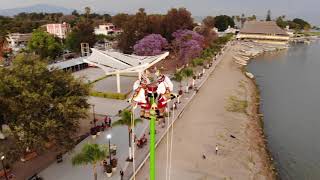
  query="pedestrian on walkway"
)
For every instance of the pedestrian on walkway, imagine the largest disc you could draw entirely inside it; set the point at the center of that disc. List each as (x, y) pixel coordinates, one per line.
(110, 122)
(217, 149)
(121, 174)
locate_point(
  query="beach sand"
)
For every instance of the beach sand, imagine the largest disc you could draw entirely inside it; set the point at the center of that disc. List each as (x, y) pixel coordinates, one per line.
(206, 123)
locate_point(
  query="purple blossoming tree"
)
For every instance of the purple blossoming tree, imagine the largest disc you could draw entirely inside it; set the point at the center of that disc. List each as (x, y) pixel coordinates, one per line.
(188, 44)
(150, 45)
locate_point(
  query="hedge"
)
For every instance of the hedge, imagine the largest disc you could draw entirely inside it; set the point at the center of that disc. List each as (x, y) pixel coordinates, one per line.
(110, 95)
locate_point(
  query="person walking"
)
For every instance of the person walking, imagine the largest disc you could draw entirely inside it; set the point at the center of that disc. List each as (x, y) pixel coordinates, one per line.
(121, 174)
(217, 149)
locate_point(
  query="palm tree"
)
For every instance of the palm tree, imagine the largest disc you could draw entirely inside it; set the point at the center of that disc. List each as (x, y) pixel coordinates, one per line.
(90, 154)
(187, 72)
(126, 116)
(179, 76)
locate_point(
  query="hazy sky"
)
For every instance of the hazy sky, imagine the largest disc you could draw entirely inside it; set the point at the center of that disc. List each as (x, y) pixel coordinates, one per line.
(309, 9)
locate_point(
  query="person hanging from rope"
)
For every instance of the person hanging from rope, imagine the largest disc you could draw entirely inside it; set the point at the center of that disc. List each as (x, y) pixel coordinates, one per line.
(165, 87)
(139, 96)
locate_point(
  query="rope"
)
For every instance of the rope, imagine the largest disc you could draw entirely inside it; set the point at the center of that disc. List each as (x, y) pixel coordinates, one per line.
(133, 144)
(167, 160)
(171, 143)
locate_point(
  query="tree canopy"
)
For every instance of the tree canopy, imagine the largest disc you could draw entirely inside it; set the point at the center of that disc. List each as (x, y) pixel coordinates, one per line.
(90, 154)
(41, 105)
(188, 44)
(223, 21)
(302, 24)
(45, 45)
(209, 21)
(150, 45)
(268, 18)
(83, 32)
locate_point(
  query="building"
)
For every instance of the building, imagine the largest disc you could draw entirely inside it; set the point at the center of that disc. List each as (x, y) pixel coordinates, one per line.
(263, 31)
(290, 31)
(72, 65)
(59, 30)
(107, 29)
(17, 41)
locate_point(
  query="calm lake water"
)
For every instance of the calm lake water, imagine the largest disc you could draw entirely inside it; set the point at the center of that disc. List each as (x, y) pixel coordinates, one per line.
(290, 90)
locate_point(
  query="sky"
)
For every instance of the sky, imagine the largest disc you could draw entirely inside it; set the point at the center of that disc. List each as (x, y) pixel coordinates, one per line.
(308, 9)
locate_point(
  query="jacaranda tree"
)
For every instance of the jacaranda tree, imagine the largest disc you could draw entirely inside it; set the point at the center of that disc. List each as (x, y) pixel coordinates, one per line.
(150, 45)
(188, 44)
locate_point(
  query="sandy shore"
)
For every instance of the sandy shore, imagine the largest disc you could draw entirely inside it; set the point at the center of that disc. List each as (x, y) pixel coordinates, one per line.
(206, 123)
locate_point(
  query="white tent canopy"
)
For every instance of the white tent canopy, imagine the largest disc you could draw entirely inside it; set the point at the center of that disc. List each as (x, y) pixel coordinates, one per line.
(113, 62)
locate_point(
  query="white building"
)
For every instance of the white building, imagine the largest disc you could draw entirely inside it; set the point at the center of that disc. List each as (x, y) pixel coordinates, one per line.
(289, 31)
(107, 29)
(59, 30)
(16, 41)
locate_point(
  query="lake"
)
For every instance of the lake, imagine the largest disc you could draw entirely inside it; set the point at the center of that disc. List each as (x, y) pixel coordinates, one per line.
(290, 90)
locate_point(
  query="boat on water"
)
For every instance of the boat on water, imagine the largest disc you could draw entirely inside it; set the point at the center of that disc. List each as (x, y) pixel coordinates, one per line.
(249, 75)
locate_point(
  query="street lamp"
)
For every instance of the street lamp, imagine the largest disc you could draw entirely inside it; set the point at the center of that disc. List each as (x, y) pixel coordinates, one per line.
(4, 168)
(109, 138)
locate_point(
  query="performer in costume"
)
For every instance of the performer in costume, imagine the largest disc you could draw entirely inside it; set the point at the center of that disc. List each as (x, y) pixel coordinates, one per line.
(165, 87)
(140, 98)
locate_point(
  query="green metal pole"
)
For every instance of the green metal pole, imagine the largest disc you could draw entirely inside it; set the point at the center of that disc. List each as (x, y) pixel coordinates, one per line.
(152, 141)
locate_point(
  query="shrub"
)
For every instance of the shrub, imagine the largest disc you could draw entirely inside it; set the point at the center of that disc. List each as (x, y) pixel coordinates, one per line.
(197, 62)
(110, 95)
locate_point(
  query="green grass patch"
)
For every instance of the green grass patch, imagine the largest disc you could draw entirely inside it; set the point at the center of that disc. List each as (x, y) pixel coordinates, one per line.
(311, 33)
(99, 79)
(235, 104)
(110, 95)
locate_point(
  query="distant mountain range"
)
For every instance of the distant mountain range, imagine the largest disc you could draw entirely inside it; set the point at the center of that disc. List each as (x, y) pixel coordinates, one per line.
(35, 8)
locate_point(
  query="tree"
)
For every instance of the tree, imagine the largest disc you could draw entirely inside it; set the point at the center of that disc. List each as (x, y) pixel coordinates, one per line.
(75, 13)
(208, 33)
(83, 32)
(134, 30)
(107, 17)
(41, 105)
(281, 23)
(243, 19)
(179, 76)
(154, 24)
(268, 18)
(87, 11)
(44, 44)
(252, 18)
(119, 20)
(150, 45)
(174, 20)
(223, 21)
(187, 72)
(126, 117)
(188, 44)
(302, 24)
(209, 21)
(3, 42)
(90, 154)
